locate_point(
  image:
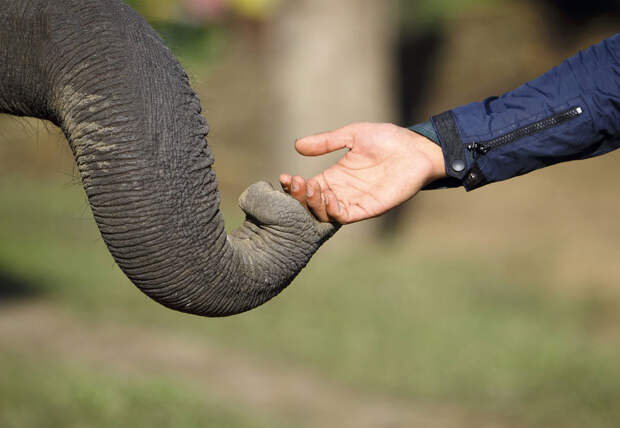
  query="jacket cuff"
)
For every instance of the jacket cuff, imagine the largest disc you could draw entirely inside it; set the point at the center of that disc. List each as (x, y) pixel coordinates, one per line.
(427, 130)
(459, 162)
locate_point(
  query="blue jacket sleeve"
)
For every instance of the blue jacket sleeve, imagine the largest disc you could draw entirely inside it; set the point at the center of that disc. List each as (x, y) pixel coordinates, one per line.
(571, 112)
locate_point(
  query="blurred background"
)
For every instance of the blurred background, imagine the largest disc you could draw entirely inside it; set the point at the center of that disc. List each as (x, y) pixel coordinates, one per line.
(495, 308)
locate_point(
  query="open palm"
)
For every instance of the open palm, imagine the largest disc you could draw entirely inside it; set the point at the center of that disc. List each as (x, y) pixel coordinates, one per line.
(384, 166)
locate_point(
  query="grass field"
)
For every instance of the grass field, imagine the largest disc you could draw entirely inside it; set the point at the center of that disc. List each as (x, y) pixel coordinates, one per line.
(455, 339)
(54, 394)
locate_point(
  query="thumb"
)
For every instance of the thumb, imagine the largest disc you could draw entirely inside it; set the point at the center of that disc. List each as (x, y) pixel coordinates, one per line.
(320, 144)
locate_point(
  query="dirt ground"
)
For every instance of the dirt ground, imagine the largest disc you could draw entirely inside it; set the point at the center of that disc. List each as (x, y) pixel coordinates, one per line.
(285, 390)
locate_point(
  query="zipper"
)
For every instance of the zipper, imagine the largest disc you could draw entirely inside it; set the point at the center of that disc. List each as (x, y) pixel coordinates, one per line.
(483, 147)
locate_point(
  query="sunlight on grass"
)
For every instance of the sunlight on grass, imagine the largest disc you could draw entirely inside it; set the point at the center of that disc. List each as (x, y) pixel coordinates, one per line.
(52, 394)
(452, 331)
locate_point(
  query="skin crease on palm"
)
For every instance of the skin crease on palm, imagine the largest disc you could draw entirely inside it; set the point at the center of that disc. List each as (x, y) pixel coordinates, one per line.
(384, 166)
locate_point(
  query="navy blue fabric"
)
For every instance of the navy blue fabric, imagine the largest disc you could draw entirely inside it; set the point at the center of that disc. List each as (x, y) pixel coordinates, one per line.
(590, 80)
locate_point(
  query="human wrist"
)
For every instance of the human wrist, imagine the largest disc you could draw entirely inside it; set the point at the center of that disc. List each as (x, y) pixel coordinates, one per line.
(433, 153)
(429, 144)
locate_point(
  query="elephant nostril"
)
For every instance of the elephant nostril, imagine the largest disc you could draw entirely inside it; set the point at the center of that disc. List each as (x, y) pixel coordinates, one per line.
(268, 206)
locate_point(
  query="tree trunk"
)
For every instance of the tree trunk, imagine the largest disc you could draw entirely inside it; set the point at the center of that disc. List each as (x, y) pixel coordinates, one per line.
(329, 65)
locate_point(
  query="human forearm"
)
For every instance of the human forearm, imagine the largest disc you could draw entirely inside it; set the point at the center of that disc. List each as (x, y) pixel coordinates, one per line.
(569, 113)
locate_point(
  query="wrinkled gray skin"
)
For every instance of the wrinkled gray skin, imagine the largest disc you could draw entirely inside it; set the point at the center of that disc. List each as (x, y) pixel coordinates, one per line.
(99, 72)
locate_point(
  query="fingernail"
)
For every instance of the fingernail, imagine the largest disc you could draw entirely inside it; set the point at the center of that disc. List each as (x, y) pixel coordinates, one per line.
(309, 191)
(295, 186)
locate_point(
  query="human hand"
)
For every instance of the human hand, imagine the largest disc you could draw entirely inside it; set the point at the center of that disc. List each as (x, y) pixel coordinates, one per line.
(385, 165)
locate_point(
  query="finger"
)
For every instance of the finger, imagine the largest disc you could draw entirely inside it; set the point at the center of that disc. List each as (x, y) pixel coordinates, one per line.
(285, 182)
(315, 201)
(335, 209)
(320, 144)
(298, 189)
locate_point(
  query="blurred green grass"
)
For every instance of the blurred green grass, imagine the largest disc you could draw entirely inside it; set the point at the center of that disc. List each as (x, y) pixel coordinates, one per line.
(375, 318)
(53, 394)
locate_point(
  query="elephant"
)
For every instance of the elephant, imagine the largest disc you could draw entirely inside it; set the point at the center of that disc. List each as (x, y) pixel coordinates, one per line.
(99, 72)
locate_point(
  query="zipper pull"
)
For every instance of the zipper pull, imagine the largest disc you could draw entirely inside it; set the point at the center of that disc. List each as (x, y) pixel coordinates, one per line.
(477, 148)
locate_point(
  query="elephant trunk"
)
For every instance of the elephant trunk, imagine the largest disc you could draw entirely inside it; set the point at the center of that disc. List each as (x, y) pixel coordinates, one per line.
(99, 72)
